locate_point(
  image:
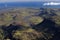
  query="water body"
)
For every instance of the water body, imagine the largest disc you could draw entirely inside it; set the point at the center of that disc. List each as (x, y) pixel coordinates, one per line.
(27, 4)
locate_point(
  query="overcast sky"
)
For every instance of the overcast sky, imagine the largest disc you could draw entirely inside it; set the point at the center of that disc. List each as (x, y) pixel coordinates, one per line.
(24, 0)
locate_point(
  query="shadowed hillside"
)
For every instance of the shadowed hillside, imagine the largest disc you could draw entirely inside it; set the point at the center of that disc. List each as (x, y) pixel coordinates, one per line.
(30, 24)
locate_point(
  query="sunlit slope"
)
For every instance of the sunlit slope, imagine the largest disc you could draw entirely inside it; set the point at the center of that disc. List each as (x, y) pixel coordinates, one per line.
(21, 16)
(29, 23)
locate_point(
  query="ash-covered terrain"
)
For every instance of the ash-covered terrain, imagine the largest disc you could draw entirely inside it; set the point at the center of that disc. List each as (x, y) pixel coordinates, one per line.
(30, 24)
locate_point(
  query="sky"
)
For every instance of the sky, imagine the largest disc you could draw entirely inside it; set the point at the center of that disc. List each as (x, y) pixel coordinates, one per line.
(24, 0)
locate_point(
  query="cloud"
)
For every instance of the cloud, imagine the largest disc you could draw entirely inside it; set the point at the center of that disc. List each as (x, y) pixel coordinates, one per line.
(17, 0)
(51, 3)
(24, 0)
